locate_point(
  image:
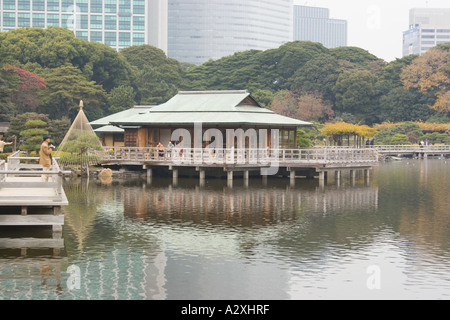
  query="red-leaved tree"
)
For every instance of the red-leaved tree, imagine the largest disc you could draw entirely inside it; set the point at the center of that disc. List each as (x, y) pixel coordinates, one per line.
(25, 97)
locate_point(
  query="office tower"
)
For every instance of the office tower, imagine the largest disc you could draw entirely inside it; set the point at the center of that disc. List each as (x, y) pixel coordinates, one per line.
(314, 24)
(200, 30)
(428, 27)
(157, 24)
(117, 23)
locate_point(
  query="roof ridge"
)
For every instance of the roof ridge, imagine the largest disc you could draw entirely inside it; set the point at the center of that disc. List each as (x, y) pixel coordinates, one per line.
(214, 92)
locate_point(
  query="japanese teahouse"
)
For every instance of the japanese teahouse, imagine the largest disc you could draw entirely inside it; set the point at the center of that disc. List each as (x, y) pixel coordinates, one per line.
(220, 110)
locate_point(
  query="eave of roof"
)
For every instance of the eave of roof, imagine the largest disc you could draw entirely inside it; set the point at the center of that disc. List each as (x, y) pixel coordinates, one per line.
(136, 110)
(109, 129)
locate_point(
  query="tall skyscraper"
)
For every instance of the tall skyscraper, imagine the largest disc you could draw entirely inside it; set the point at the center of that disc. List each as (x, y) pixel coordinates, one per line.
(117, 23)
(428, 27)
(314, 24)
(200, 30)
(157, 24)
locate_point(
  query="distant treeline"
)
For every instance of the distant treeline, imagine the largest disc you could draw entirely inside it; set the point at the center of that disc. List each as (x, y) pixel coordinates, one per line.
(48, 71)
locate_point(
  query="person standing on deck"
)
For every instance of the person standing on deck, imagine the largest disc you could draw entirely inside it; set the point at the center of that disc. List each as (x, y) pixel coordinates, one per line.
(45, 157)
(170, 146)
(160, 147)
(3, 144)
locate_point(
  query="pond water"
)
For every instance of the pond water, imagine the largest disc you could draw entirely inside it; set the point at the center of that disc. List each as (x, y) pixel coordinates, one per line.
(386, 238)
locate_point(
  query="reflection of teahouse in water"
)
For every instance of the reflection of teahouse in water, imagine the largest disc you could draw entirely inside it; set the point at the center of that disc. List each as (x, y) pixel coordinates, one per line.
(257, 206)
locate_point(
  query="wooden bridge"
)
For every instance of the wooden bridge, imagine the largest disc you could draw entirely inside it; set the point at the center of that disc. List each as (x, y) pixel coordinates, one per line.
(418, 151)
(291, 162)
(27, 200)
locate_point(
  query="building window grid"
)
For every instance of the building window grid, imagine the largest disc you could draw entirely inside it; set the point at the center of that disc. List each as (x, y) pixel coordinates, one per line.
(96, 36)
(124, 6)
(110, 6)
(96, 22)
(53, 20)
(9, 19)
(138, 23)
(53, 5)
(82, 6)
(138, 38)
(23, 5)
(9, 4)
(82, 35)
(84, 22)
(38, 20)
(110, 22)
(23, 20)
(96, 6)
(138, 7)
(124, 39)
(67, 21)
(136, 20)
(38, 5)
(111, 38)
(124, 23)
(67, 5)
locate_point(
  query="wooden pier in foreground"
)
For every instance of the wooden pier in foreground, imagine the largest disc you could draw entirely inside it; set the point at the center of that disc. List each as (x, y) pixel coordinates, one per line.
(26, 199)
(315, 162)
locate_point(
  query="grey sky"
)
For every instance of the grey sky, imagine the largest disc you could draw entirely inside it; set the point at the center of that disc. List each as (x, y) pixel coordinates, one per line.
(377, 25)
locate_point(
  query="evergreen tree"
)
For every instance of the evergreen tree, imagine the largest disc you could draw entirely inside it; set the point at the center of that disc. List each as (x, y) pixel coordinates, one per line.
(33, 135)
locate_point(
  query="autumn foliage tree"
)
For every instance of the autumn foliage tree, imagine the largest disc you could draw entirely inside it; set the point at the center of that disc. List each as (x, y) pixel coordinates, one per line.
(430, 74)
(301, 105)
(25, 97)
(338, 131)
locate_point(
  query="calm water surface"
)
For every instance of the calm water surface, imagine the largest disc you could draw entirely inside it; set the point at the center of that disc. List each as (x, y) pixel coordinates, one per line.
(383, 239)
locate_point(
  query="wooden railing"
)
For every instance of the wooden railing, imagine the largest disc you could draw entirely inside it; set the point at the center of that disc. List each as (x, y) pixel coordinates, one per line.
(411, 148)
(2, 168)
(22, 167)
(208, 156)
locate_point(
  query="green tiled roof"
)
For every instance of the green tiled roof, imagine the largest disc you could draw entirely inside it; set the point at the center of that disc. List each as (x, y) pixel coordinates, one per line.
(221, 108)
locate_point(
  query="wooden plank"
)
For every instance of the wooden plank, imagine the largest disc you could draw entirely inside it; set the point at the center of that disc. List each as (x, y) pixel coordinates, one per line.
(36, 202)
(37, 185)
(30, 243)
(31, 220)
(37, 197)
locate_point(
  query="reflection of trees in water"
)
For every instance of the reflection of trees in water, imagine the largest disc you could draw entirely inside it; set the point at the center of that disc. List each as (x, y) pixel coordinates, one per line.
(422, 207)
(81, 212)
(121, 262)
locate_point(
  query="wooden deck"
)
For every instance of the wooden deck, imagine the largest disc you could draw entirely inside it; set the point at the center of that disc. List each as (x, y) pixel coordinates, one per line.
(27, 200)
(291, 162)
(322, 157)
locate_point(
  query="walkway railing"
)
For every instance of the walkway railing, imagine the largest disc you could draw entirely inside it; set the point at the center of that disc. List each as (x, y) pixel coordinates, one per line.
(2, 169)
(21, 172)
(411, 148)
(258, 157)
